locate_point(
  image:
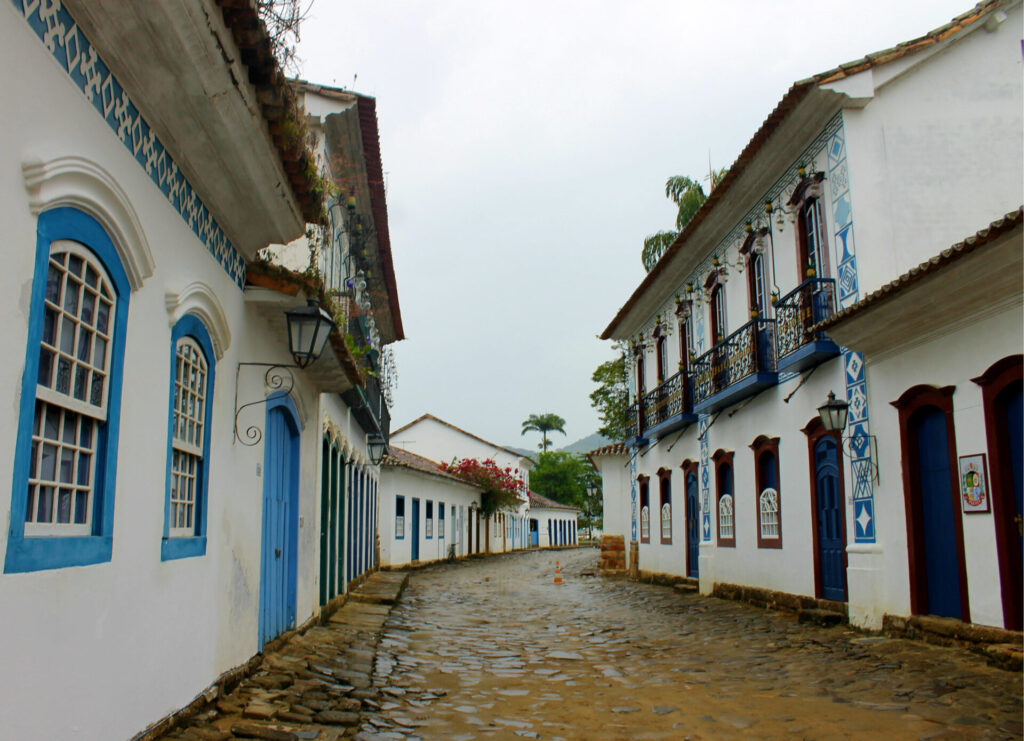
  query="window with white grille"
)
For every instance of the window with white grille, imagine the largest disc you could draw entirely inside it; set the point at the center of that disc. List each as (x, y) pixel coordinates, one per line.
(645, 524)
(188, 431)
(769, 506)
(725, 519)
(71, 392)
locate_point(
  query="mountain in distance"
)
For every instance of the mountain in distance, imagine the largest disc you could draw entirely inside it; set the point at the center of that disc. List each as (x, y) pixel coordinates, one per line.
(581, 446)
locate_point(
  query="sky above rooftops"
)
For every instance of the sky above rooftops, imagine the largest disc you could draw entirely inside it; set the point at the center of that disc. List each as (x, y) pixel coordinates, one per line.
(526, 147)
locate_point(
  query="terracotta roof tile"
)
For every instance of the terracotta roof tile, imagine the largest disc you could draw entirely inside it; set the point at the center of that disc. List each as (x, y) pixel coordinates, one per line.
(536, 500)
(401, 458)
(1010, 221)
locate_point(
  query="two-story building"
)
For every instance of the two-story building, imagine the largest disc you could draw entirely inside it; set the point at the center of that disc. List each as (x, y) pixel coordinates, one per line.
(830, 261)
(166, 417)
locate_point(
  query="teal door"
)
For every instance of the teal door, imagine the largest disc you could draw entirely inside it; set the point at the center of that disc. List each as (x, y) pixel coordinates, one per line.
(831, 542)
(279, 549)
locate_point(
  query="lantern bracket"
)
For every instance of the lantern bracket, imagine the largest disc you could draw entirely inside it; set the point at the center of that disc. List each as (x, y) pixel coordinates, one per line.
(277, 379)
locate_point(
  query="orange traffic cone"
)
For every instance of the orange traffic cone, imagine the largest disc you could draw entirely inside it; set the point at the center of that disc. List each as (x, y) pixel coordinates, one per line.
(558, 574)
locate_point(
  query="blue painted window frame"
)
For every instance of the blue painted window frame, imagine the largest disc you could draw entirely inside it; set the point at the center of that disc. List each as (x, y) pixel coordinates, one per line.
(172, 548)
(36, 553)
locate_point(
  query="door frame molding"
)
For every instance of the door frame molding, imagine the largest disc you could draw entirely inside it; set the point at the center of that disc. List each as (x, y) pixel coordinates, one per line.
(815, 430)
(1000, 376)
(912, 400)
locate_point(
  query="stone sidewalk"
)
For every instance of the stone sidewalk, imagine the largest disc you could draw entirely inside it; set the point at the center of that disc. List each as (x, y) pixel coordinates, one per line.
(315, 685)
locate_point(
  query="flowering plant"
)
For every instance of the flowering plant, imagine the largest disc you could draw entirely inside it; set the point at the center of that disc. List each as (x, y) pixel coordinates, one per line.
(501, 487)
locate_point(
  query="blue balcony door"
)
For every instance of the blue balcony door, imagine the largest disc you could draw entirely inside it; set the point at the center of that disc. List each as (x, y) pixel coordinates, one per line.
(279, 550)
(415, 530)
(692, 527)
(829, 509)
(935, 500)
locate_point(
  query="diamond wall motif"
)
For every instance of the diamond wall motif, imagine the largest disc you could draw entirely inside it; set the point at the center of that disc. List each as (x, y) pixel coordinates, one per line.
(862, 466)
(76, 55)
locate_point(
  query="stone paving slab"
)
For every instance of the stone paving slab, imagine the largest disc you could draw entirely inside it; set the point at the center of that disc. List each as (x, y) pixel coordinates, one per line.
(492, 649)
(315, 686)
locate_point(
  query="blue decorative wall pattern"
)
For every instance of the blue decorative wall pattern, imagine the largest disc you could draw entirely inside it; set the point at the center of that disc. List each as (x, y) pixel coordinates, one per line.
(853, 363)
(62, 37)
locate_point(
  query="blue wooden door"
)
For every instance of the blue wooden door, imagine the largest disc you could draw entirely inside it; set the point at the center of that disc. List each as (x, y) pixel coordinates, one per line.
(279, 550)
(692, 527)
(534, 533)
(415, 530)
(938, 530)
(831, 543)
(1014, 411)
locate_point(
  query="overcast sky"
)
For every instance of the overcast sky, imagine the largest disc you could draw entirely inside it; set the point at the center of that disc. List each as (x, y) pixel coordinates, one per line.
(526, 146)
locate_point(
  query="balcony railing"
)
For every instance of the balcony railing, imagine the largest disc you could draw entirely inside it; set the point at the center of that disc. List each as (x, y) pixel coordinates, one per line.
(813, 301)
(668, 405)
(746, 353)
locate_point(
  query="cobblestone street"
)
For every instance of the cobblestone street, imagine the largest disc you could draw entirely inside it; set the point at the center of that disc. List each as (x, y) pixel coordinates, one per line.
(493, 649)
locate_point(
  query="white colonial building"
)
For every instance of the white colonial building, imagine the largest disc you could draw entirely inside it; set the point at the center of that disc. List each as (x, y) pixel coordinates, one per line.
(424, 511)
(437, 440)
(831, 259)
(166, 455)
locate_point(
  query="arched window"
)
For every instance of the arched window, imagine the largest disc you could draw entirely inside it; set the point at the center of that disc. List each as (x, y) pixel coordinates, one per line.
(717, 306)
(665, 490)
(758, 287)
(769, 501)
(768, 505)
(645, 509)
(725, 520)
(725, 496)
(65, 458)
(190, 405)
(662, 355)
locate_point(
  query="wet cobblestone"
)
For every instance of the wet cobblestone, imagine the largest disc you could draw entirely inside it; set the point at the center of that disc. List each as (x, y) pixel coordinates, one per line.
(493, 649)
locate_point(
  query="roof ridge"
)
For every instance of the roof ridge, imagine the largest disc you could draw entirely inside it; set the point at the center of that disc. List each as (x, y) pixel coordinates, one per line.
(428, 415)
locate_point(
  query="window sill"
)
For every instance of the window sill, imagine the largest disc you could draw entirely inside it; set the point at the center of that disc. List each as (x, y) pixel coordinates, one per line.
(771, 543)
(172, 549)
(55, 552)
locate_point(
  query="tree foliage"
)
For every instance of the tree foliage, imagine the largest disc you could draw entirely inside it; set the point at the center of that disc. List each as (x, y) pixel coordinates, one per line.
(500, 488)
(563, 477)
(544, 423)
(611, 397)
(688, 195)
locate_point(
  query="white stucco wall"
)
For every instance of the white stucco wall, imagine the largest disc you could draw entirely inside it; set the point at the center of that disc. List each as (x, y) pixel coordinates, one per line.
(403, 482)
(615, 494)
(75, 640)
(938, 362)
(936, 154)
(437, 441)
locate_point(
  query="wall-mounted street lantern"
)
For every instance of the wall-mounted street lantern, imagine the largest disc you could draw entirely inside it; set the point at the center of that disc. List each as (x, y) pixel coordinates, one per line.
(834, 413)
(309, 327)
(376, 447)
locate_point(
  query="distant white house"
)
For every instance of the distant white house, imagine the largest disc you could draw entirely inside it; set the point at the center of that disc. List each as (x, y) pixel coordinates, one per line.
(435, 439)
(551, 523)
(424, 511)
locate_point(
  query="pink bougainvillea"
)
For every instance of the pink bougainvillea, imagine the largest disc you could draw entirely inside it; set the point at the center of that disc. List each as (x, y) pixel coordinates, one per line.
(500, 487)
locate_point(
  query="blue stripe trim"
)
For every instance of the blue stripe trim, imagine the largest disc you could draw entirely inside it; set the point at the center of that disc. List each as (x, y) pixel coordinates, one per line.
(64, 39)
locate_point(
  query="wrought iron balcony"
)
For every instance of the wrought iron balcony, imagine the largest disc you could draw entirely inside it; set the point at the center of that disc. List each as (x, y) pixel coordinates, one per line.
(739, 366)
(796, 347)
(663, 409)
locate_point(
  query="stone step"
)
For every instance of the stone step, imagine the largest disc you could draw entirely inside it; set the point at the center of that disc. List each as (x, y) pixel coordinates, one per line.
(687, 587)
(382, 588)
(825, 618)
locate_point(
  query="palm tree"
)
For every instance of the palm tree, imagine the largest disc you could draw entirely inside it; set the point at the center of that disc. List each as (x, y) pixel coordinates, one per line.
(544, 423)
(689, 196)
